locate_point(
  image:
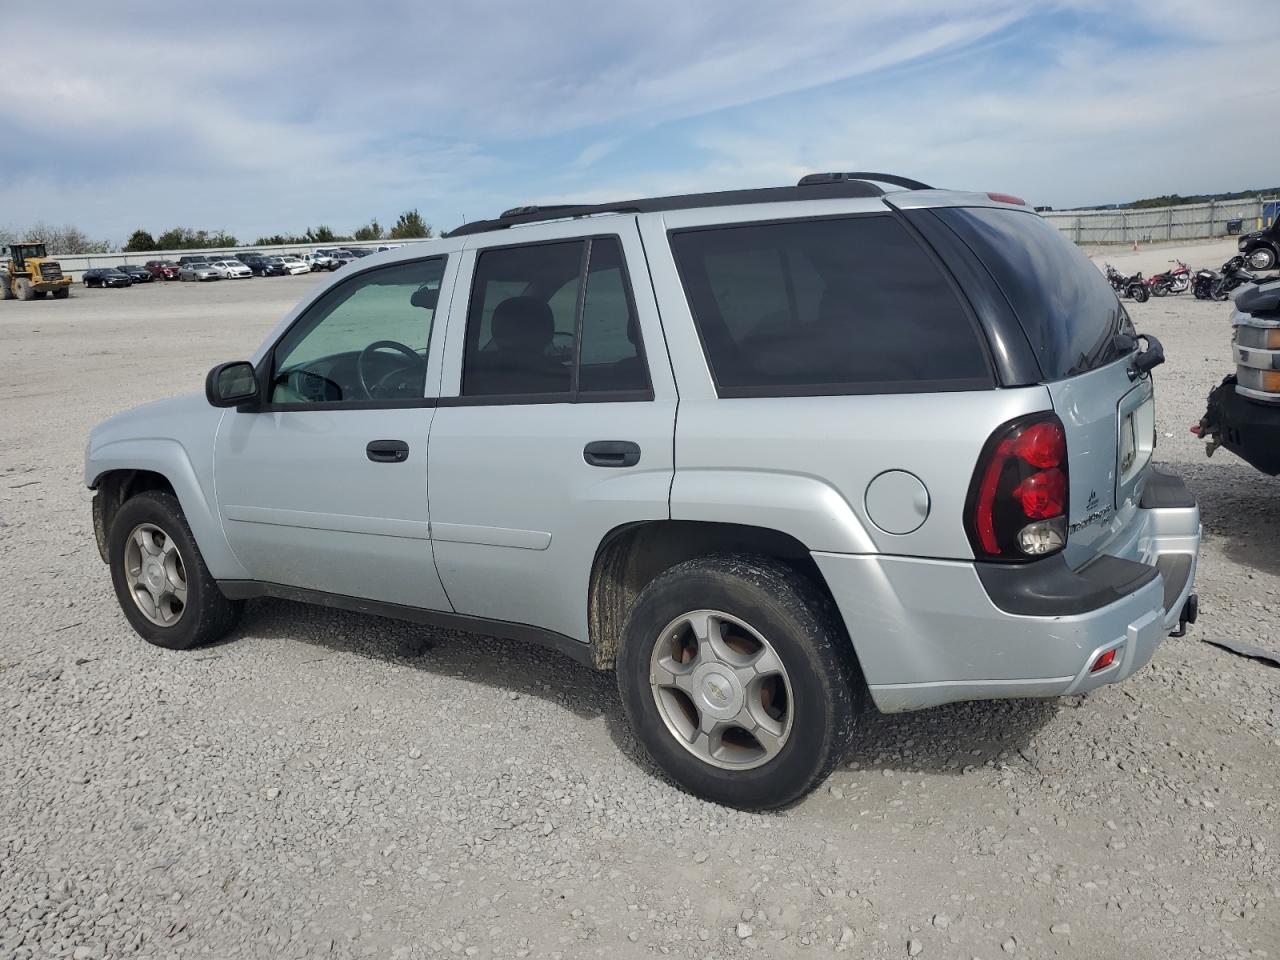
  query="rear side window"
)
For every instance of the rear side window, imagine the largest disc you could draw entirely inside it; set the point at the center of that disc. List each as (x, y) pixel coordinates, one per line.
(1065, 306)
(554, 320)
(839, 305)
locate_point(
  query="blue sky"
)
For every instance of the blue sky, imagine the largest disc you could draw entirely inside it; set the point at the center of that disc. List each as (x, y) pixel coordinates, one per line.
(260, 118)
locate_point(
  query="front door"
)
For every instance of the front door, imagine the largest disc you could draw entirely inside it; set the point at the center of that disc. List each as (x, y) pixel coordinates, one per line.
(556, 420)
(324, 487)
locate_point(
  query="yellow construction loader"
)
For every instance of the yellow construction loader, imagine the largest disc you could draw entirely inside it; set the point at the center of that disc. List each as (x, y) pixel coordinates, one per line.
(29, 273)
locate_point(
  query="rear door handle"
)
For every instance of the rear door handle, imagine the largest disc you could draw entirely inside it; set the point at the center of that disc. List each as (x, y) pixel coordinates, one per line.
(387, 451)
(611, 453)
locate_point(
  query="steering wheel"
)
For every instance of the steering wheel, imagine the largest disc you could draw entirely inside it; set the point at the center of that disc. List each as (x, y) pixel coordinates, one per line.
(408, 352)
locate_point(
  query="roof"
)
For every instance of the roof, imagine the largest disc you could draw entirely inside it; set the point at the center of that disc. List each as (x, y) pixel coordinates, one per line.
(815, 186)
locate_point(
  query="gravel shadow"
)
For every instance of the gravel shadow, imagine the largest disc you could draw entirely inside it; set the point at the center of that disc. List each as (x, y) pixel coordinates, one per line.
(944, 739)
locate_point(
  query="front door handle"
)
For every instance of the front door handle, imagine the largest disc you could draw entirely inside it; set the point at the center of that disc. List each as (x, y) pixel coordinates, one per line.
(611, 453)
(387, 451)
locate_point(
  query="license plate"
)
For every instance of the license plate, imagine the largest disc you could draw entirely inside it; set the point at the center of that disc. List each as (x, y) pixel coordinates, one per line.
(1137, 439)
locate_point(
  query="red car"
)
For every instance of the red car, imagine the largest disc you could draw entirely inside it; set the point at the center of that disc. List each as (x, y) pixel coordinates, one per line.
(162, 269)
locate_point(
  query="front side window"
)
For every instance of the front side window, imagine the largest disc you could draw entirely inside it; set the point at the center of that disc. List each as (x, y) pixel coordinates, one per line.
(365, 340)
(554, 320)
(830, 306)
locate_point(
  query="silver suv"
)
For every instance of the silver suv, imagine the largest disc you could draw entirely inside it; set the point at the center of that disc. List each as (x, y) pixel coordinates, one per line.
(763, 453)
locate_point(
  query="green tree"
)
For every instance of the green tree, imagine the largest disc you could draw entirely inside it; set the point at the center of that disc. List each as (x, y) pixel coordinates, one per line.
(184, 238)
(410, 226)
(371, 231)
(320, 234)
(140, 241)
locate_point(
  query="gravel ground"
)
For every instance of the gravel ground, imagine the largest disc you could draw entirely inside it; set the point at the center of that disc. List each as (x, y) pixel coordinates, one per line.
(304, 790)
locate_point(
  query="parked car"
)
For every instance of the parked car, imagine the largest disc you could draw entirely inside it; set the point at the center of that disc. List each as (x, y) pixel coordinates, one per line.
(1262, 248)
(295, 265)
(231, 269)
(912, 463)
(318, 262)
(136, 273)
(206, 256)
(264, 266)
(166, 269)
(340, 256)
(199, 270)
(106, 277)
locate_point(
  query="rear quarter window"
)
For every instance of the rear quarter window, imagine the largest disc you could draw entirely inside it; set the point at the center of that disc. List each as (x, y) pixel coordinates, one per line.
(1065, 306)
(830, 306)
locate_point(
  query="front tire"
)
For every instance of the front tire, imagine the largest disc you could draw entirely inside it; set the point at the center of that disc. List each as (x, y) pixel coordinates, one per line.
(23, 288)
(164, 588)
(739, 680)
(1264, 258)
(1140, 293)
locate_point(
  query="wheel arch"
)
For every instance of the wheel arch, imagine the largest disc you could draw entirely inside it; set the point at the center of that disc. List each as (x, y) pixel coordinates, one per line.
(629, 557)
(122, 469)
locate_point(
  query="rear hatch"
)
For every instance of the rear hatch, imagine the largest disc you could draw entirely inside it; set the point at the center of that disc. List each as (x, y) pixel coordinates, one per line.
(1070, 316)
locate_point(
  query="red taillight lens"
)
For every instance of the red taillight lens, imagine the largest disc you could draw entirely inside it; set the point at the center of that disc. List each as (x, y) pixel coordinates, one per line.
(1043, 494)
(1017, 507)
(1007, 198)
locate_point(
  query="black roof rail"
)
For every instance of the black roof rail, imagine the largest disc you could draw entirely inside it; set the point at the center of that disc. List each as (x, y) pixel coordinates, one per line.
(906, 183)
(817, 186)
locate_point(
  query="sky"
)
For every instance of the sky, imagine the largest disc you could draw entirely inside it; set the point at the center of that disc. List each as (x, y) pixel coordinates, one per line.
(264, 118)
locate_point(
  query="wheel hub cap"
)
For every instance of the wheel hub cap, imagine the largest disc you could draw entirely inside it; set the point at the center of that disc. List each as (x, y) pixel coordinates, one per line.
(719, 692)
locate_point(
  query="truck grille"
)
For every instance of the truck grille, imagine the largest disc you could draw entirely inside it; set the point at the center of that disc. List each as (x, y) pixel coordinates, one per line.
(50, 271)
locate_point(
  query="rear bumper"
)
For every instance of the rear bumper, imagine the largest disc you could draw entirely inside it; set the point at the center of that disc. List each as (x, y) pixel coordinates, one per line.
(929, 632)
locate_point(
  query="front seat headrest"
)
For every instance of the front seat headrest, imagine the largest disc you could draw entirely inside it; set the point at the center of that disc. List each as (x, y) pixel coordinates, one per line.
(523, 324)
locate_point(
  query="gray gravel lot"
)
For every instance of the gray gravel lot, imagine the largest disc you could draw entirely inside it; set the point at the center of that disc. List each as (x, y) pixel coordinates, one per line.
(303, 790)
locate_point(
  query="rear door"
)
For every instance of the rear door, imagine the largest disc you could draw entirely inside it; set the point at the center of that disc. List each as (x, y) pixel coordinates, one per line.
(1070, 316)
(556, 419)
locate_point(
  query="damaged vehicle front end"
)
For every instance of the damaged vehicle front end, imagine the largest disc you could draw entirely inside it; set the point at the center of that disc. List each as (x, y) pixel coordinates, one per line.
(1243, 412)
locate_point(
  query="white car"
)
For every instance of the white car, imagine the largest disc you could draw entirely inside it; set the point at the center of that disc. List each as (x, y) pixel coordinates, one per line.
(296, 265)
(231, 269)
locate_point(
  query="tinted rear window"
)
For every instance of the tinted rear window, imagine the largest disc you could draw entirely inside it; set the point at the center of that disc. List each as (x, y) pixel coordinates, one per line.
(1065, 306)
(838, 305)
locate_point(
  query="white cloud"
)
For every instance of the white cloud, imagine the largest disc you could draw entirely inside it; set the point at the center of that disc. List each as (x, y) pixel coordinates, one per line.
(260, 121)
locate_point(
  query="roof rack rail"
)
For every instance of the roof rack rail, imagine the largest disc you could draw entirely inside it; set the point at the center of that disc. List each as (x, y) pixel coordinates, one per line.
(811, 179)
(816, 186)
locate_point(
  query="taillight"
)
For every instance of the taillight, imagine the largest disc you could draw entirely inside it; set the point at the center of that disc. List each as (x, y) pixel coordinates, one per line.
(1017, 506)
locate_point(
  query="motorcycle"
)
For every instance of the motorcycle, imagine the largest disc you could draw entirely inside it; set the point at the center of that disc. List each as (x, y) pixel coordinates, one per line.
(1177, 280)
(1135, 286)
(1218, 285)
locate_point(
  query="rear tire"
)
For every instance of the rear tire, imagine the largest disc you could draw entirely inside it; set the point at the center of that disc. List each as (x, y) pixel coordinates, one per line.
(62, 293)
(162, 584)
(1140, 293)
(6, 291)
(782, 665)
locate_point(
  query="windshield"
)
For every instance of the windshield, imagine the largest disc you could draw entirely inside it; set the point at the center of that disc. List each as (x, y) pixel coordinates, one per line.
(1064, 304)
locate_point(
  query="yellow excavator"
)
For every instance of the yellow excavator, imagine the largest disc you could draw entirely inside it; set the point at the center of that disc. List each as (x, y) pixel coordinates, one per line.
(29, 273)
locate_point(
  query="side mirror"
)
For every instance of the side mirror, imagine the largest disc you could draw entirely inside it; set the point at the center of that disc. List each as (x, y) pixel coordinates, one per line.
(231, 384)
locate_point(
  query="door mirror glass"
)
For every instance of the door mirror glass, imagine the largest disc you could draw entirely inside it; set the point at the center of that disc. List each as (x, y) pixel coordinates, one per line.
(230, 384)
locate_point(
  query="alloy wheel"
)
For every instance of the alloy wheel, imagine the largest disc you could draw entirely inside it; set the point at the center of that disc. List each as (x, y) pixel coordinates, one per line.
(721, 689)
(156, 574)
